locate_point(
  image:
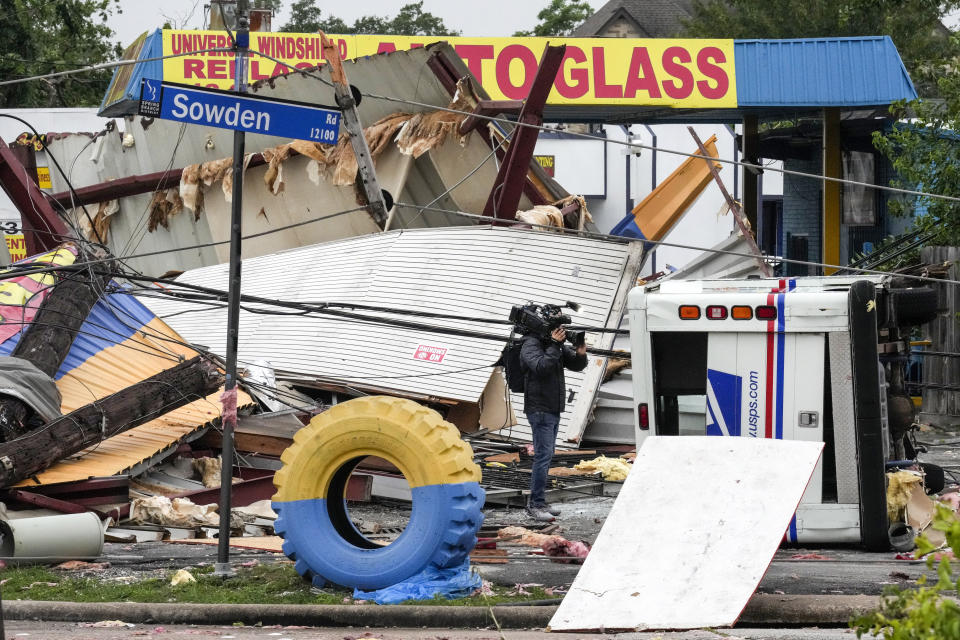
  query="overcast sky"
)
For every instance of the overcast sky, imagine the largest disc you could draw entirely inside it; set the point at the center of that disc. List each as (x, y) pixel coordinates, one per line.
(473, 18)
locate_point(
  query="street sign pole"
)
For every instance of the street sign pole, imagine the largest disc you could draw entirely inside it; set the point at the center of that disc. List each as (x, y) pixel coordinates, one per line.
(229, 398)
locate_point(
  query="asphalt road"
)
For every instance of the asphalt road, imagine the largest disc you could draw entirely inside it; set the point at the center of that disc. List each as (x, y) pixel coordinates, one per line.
(84, 631)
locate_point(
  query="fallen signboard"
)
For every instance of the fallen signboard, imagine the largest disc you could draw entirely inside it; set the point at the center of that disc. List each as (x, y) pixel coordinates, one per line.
(671, 557)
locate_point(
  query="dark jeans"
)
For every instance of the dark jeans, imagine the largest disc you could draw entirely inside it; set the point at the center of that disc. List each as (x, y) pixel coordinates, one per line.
(544, 427)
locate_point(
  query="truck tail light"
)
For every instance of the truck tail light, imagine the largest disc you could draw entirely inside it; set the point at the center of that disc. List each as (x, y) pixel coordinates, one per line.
(716, 312)
(741, 313)
(644, 416)
(766, 312)
(689, 312)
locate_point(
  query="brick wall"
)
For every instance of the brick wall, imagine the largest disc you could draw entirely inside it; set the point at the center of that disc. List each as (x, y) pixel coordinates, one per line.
(802, 203)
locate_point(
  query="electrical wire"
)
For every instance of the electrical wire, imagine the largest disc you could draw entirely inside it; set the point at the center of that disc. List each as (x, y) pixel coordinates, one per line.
(663, 243)
(109, 65)
(504, 121)
(627, 143)
(308, 306)
(369, 319)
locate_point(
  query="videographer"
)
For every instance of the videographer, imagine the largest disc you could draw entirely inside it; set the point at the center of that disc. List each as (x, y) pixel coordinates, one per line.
(542, 360)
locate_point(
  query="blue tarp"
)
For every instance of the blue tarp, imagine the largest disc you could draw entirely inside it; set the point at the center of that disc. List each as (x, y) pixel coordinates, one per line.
(455, 582)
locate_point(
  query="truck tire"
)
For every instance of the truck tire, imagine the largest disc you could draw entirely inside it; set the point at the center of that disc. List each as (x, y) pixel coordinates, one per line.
(913, 306)
(312, 512)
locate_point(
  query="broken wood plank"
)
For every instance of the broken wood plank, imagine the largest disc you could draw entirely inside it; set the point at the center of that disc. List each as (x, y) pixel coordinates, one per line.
(107, 417)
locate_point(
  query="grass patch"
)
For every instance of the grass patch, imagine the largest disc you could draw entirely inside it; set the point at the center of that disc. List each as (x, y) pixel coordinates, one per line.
(261, 584)
(501, 595)
(275, 583)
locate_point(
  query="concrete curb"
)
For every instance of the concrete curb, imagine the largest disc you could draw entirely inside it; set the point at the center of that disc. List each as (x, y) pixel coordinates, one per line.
(823, 611)
(439, 616)
(762, 610)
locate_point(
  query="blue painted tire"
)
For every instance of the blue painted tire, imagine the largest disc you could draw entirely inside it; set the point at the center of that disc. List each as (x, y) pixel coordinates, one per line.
(311, 510)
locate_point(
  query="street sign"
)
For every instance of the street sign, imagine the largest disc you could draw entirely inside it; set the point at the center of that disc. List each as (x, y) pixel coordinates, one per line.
(239, 112)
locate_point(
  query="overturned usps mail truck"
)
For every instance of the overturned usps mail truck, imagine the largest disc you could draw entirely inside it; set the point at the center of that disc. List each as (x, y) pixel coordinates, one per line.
(813, 358)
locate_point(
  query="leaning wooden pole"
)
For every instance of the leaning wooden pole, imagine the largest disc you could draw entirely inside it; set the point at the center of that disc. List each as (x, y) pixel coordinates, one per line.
(172, 388)
(46, 342)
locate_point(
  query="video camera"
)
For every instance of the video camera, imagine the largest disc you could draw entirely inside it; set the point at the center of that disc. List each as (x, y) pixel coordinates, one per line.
(542, 319)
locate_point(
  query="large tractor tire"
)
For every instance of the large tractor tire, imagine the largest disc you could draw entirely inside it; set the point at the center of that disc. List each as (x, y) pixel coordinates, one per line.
(312, 512)
(914, 306)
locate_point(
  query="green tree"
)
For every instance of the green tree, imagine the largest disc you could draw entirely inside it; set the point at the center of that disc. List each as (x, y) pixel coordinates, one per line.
(273, 5)
(925, 151)
(560, 18)
(914, 25)
(411, 20)
(39, 37)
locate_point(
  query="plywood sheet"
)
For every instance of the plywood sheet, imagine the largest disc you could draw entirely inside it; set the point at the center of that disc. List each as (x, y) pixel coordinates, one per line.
(263, 543)
(691, 534)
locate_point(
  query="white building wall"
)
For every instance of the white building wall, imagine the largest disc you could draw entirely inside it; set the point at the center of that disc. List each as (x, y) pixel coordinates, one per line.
(578, 168)
(44, 121)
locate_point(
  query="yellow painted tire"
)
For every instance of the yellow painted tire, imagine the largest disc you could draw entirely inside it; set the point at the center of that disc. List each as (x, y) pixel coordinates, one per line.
(436, 462)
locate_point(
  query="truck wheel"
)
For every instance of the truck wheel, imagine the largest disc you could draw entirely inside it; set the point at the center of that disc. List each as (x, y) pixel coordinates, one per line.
(913, 306)
(312, 512)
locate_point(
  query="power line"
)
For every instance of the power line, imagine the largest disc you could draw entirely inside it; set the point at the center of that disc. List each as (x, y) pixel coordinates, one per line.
(18, 270)
(626, 143)
(663, 243)
(109, 65)
(506, 121)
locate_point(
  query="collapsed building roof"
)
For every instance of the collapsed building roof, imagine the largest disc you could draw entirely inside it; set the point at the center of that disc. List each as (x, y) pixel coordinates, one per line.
(474, 272)
(135, 186)
(120, 343)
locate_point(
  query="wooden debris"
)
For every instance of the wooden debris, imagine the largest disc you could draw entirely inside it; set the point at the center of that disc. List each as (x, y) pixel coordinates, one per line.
(116, 413)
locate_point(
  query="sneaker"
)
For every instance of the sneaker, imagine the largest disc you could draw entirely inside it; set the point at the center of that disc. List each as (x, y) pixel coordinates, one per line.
(552, 510)
(540, 514)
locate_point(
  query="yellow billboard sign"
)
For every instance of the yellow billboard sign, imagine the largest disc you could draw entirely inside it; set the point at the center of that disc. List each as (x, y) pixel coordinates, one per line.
(687, 73)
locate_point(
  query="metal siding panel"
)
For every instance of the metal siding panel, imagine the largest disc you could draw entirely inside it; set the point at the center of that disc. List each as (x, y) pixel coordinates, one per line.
(480, 271)
(822, 72)
(116, 368)
(844, 428)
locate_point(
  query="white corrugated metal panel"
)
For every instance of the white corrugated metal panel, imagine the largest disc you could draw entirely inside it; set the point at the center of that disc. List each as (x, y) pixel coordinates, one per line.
(478, 271)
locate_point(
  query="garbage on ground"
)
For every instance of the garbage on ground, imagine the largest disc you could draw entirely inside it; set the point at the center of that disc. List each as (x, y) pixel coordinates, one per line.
(900, 485)
(526, 536)
(565, 551)
(613, 469)
(182, 576)
(455, 582)
(911, 511)
(80, 565)
(179, 512)
(209, 470)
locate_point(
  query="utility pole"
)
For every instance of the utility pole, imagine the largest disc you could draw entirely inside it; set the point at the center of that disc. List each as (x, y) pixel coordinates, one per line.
(229, 398)
(376, 203)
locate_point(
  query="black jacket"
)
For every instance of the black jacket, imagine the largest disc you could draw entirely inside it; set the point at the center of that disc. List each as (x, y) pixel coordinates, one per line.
(543, 360)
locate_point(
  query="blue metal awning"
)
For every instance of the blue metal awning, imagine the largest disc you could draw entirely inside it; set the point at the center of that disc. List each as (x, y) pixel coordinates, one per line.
(123, 94)
(821, 72)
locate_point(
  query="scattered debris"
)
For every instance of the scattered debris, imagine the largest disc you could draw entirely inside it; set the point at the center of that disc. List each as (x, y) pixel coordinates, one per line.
(107, 624)
(613, 469)
(182, 576)
(209, 471)
(179, 512)
(79, 565)
(565, 551)
(900, 485)
(523, 536)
